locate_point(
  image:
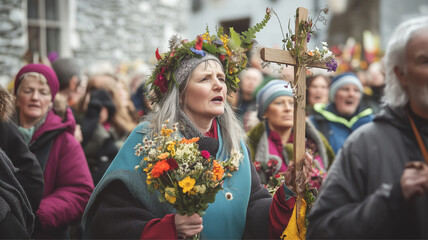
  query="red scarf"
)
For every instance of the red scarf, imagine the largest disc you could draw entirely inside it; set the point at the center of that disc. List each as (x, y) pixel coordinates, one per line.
(213, 130)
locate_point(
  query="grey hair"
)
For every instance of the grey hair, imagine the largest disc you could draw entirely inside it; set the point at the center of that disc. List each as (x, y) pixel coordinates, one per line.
(232, 131)
(394, 94)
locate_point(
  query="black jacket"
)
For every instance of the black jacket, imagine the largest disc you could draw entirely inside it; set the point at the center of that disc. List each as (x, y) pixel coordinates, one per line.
(16, 217)
(362, 197)
(30, 174)
(98, 143)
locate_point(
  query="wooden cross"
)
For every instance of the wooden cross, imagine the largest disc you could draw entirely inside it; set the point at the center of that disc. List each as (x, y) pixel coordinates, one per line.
(285, 57)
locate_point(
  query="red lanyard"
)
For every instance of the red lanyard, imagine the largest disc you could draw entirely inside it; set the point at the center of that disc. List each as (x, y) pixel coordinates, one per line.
(418, 138)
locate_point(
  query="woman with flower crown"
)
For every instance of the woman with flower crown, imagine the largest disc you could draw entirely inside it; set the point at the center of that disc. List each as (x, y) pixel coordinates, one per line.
(189, 86)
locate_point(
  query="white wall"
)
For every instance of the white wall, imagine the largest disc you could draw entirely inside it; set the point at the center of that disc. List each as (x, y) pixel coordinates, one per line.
(215, 11)
(393, 12)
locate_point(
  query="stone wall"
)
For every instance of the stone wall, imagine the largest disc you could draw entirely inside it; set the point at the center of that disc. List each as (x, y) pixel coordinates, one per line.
(125, 31)
(107, 30)
(12, 38)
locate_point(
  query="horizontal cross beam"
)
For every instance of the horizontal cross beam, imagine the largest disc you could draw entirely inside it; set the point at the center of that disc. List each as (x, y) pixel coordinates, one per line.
(283, 57)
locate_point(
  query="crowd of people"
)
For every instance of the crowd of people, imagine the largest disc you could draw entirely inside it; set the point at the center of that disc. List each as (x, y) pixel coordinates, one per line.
(68, 135)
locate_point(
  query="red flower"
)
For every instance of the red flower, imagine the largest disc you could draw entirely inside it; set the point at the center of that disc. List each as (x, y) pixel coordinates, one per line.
(205, 154)
(172, 53)
(257, 165)
(277, 175)
(172, 163)
(161, 81)
(159, 168)
(222, 57)
(272, 163)
(199, 41)
(158, 56)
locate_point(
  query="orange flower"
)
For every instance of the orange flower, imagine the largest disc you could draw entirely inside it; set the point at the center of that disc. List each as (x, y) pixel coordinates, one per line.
(159, 168)
(310, 53)
(189, 141)
(163, 156)
(218, 170)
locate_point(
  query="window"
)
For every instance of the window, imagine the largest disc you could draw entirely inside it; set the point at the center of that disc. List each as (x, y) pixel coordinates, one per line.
(239, 25)
(47, 28)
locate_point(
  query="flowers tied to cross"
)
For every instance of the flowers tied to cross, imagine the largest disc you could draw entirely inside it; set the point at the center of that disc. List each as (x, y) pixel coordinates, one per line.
(294, 41)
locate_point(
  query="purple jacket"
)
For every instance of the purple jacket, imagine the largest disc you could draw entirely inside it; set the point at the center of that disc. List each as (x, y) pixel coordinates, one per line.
(68, 182)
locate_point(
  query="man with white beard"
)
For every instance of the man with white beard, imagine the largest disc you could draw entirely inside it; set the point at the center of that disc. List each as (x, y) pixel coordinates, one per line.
(377, 186)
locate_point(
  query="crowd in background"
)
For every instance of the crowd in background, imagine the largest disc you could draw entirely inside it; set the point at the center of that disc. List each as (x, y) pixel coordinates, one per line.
(89, 113)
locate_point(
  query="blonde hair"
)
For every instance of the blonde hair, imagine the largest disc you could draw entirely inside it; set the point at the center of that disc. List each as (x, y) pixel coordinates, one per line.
(36, 75)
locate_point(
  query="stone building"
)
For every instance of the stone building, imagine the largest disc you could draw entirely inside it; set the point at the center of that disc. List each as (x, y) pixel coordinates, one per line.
(125, 31)
(129, 31)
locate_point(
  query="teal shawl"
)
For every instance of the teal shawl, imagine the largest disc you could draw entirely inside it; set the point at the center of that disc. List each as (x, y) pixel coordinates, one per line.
(224, 218)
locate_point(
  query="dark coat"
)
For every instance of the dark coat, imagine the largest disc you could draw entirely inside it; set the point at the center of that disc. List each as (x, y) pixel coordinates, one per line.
(29, 174)
(362, 197)
(99, 144)
(16, 217)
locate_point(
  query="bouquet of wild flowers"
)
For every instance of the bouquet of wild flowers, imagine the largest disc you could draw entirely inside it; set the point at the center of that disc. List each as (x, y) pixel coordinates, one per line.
(184, 176)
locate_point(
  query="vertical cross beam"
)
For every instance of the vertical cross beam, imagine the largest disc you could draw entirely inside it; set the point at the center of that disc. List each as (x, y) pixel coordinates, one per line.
(299, 120)
(300, 98)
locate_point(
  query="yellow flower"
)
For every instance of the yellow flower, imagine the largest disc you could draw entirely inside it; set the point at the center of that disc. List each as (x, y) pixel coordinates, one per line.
(148, 168)
(149, 179)
(170, 195)
(187, 184)
(224, 38)
(171, 149)
(163, 156)
(192, 191)
(166, 132)
(207, 37)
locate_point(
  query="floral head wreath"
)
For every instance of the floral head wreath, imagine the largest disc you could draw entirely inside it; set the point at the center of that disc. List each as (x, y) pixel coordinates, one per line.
(230, 50)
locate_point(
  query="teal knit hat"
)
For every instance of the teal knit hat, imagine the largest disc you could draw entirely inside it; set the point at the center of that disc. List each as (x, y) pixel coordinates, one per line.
(269, 92)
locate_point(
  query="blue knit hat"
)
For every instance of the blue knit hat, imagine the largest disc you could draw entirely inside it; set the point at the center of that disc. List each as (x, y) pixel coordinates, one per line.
(342, 80)
(269, 92)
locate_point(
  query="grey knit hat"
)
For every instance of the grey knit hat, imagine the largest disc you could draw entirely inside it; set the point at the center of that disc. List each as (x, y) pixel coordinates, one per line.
(187, 65)
(273, 89)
